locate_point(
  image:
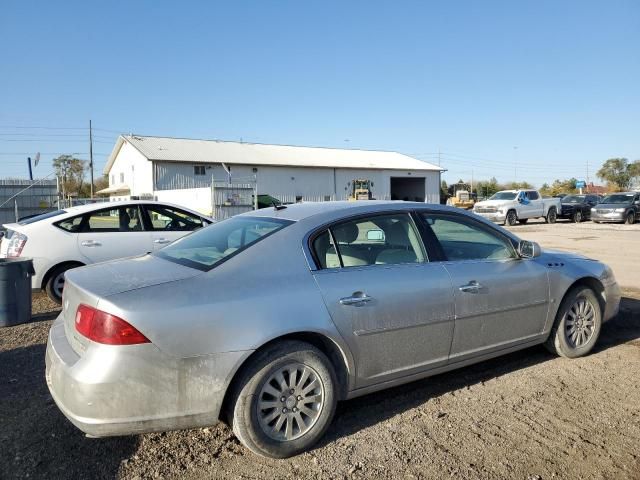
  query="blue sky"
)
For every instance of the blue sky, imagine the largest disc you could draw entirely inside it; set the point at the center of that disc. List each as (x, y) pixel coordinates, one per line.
(558, 80)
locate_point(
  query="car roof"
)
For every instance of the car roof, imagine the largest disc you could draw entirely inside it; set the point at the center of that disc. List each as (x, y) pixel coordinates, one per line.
(122, 203)
(300, 211)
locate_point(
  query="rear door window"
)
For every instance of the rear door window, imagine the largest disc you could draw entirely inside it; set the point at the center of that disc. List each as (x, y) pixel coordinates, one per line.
(376, 240)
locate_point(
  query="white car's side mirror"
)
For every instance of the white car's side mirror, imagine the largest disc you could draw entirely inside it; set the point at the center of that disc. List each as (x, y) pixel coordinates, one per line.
(527, 249)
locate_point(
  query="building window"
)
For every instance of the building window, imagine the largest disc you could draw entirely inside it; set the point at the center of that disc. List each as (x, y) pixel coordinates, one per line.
(198, 170)
(121, 177)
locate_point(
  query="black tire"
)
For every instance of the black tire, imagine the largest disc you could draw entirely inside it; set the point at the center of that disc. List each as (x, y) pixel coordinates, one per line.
(560, 339)
(53, 286)
(577, 216)
(552, 215)
(522, 221)
(249, 422)
(511, 218)
(630, 218)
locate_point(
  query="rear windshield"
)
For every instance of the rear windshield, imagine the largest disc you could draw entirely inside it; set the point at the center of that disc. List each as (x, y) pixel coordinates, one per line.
(42, 216)
(206, 248)
(504, 196)
(573, 199)
(618, 198)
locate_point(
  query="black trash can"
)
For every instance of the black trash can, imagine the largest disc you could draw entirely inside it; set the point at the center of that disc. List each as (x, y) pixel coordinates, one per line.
(15, 290)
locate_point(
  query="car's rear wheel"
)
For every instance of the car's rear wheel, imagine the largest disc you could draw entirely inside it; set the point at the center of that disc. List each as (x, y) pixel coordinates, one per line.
(55, 282)
(284, 400)
(578, 323)
(630, 219)
(577, 217)
(552, 216)
(512, 218)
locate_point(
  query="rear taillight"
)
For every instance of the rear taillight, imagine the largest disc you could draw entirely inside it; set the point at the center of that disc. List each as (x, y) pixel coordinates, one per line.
(16, 244)
(102, 327)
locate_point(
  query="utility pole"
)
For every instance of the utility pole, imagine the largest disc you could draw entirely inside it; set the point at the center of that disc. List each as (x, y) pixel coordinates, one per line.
(91, 155)
(587, 173)
(515, 164)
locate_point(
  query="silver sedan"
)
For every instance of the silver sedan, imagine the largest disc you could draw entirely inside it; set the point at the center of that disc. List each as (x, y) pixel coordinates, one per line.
(269, 318)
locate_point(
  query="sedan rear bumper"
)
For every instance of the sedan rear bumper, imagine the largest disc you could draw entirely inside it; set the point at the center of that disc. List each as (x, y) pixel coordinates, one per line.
(122, 390)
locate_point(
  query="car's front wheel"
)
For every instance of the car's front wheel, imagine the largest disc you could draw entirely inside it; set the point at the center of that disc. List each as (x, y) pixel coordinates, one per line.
(512, 218)
(578, 323)
(284, 400)
(577, 216)
(630, 219)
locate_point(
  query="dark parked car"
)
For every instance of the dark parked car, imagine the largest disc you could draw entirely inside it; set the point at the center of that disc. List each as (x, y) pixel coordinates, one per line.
(618, 207)
(578, 207)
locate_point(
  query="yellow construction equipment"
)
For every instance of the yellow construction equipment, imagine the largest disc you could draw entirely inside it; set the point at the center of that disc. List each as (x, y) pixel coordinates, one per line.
(460, 196)
(361, 190)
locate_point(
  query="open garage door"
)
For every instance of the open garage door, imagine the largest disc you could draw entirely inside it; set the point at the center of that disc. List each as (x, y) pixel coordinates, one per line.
(410, 189)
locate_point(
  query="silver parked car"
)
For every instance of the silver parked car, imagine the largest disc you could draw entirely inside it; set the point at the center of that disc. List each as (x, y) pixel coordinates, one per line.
(267, 319)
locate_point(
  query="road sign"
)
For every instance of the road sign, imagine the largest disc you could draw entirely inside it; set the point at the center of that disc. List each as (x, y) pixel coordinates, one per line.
(581, 184)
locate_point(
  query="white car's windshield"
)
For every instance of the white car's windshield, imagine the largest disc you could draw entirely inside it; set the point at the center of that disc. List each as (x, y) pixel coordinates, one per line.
(211, 245)
(503, 196)
(618, 198)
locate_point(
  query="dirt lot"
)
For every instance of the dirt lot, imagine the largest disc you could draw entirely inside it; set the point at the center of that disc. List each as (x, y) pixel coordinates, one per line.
(528, 415)
(614, 244)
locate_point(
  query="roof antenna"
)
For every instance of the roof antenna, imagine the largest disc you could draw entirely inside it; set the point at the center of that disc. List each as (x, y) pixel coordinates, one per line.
(276, 206)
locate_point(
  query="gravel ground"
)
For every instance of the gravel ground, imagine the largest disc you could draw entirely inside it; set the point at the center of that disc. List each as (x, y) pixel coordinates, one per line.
(527, 415)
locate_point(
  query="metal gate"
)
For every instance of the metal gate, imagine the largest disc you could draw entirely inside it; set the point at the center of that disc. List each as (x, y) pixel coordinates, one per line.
(229, 199)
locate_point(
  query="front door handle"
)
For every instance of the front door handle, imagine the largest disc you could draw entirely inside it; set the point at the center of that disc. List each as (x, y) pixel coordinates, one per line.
(356, 300)
(91, 243)
(161, 241)
(471, 287)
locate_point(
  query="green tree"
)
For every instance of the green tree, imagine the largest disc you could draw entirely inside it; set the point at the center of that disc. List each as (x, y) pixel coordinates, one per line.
(618, 172)
(71, 172)
(443, 192)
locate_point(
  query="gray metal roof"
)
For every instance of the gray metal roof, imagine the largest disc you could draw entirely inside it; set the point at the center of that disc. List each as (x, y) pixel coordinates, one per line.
(215, 151)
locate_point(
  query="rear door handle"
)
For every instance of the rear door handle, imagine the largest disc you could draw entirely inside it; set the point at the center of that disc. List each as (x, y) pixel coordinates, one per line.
(471, 287)
(161, 241)
(91, 243)
(356, 300)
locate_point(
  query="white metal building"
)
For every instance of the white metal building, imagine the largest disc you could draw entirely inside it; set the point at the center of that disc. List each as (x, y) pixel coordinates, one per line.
(181, 171)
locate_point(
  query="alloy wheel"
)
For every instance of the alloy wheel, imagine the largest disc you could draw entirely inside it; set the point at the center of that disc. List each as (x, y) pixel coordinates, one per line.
(580, 323)
(290, 402)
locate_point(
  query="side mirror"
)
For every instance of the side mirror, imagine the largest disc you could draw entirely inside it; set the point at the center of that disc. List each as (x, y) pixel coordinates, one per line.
(519, 199)
(527, 249)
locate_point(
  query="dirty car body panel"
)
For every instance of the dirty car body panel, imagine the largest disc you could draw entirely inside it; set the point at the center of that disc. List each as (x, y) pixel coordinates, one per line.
(385, 323)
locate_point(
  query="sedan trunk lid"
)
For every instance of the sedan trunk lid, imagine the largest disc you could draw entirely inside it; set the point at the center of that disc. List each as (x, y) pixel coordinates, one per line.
(89, 284)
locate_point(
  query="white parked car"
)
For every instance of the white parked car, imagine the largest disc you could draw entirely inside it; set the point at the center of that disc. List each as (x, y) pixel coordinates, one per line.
(512, 206)
(73, 237)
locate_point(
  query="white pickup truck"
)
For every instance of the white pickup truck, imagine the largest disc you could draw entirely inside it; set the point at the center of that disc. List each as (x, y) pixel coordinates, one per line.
(512, 206)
